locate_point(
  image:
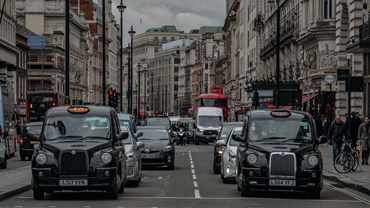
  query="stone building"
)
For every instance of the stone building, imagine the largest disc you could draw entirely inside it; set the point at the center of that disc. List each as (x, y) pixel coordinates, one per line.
(8, 57)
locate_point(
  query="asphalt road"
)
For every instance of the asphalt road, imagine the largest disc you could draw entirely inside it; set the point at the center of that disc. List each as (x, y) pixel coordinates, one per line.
(14, 163)
(191, 184)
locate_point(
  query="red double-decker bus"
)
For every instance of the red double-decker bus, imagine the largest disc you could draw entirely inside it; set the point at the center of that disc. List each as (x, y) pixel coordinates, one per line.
(214, 99)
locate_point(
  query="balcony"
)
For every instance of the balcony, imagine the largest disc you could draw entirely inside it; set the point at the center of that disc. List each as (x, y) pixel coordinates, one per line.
(362, 44)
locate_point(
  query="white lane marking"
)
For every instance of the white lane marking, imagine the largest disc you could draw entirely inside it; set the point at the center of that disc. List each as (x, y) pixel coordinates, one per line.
(349, 193)
(195, 183)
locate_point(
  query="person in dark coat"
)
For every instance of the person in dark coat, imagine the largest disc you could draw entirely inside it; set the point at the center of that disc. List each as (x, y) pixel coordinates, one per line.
(351, 127)
(364, 137)
(336, 136)
(319, 126)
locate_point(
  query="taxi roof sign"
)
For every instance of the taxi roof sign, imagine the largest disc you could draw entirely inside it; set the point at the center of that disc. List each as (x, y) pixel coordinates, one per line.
(78, 109)
(281, 113)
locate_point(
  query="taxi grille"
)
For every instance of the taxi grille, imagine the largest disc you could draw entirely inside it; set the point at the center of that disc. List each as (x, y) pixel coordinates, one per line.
(73, 164)
(282, 164)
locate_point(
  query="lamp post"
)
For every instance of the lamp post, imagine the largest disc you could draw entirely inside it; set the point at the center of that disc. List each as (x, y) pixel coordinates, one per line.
(121, 9)
(131, 33)
(138, 89)
(277, 51)
(104, 58)
(66, 52)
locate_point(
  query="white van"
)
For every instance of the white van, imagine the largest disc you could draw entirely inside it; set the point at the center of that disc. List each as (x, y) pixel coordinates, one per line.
(209, 122)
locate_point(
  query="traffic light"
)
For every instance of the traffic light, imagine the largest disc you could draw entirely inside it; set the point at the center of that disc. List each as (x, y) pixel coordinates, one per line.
(115, 99)
(110, 97)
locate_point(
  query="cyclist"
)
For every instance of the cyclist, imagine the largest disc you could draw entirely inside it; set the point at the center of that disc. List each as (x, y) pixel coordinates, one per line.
(364, 136)
(336, 136)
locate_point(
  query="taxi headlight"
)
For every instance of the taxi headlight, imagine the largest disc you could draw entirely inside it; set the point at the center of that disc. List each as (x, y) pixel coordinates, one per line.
(168, 148)
(252, 159)
(106, 157)
(41, 158)
(200, 130)
(313, 160)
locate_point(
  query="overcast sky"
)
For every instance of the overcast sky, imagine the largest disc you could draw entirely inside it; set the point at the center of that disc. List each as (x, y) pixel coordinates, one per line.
(185, 14)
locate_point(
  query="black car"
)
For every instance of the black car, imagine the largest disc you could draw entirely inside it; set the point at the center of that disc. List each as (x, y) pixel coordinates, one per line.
(278, 151)
(219, 147)
(80, 149)
(30, 137)
(158, 150)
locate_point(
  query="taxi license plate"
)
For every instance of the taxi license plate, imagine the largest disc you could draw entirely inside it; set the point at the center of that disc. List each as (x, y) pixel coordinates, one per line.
(278, 182)
(82, 182)
(150, 156)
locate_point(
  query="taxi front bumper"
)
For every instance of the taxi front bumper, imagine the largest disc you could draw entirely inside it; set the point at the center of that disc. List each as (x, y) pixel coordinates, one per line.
(104, 179)
(305, 181)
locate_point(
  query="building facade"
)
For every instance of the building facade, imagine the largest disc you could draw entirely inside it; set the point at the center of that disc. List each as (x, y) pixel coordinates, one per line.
(8, 57)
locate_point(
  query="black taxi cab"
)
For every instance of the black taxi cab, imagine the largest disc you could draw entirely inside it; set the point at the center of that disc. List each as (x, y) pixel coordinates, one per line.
(278, 151)
(80, 150)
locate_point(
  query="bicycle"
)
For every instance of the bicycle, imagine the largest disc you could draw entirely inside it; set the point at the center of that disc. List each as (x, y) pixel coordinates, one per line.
(348, 159)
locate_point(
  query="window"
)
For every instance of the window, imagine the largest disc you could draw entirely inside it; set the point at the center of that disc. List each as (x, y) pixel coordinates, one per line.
(328, 9)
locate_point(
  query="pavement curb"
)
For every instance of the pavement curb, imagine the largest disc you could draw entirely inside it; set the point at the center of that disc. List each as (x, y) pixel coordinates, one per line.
(13, 192)
(354, 186)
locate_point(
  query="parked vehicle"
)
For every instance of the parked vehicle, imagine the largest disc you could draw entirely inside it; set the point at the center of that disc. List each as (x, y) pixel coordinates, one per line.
(30, 136)
(278, 151)
(127, 120)
(81, 149)
(228, 161)
(158, 150)
(209, 123)
(133, 149)
(3, 157)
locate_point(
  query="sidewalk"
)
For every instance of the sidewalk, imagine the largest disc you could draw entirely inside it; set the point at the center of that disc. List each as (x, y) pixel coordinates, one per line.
(359, 180)
(14, 181)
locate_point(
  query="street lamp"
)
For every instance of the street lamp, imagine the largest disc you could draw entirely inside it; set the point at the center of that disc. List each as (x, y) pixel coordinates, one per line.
(66, 52)
(121, 9)
(277, 51)
(138, 90)
(104, 51)
(131, 33)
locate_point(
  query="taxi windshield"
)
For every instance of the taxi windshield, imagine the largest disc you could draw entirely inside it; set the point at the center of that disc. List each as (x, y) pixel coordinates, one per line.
(232, 142)
(280, 130)
(77, 127)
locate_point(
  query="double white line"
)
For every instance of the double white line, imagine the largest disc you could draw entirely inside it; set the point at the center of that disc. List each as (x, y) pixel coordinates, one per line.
(195, 183)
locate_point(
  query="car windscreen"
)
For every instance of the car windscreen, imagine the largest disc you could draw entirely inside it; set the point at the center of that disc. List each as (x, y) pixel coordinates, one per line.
(280, 130)
(225, 132)
(154, 134)
(210, 121)
(74, 127)
(164, 122)
(124, 123)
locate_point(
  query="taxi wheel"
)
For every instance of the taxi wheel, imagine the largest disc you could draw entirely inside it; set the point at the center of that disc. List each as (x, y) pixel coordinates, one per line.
(37, 194)
(4, 164)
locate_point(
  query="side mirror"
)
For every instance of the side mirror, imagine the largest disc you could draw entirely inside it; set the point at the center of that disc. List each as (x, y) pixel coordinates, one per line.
(238, 138)
(140, 145)
(323, 140)
(140, 134)
(221, 143)
(123, 135)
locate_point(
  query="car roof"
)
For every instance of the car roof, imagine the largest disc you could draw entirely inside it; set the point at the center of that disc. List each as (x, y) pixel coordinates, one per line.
(34, 124)
(263, 114)
(93, 110)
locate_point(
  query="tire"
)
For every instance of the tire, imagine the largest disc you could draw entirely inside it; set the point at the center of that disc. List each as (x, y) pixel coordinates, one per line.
(216, 170)
(344, 163)
(4, 165)
(38, 194)
(316, 194)
(171, 165)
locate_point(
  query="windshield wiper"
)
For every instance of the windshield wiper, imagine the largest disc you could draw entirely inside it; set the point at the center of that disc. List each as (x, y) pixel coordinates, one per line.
(94, 137)
(66, 138)
(295, 140)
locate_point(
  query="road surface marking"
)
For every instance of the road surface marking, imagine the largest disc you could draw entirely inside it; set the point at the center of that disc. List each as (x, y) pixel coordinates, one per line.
(195, 183)
(349, 193)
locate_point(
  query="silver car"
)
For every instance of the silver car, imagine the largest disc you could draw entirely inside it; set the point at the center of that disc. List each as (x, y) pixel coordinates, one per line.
(133, 154)
(3, 162)
(228, 161)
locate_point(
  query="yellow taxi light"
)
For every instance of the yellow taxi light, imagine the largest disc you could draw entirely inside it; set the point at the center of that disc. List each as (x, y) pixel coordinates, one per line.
(79, 110)
(281, 113)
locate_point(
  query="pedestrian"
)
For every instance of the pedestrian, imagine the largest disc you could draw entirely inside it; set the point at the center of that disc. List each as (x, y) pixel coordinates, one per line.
(336, 136)
(318, 123)
(352, 125)
(364, 137)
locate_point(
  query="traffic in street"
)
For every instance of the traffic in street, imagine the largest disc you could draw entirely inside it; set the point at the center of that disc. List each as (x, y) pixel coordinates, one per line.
(179, 188)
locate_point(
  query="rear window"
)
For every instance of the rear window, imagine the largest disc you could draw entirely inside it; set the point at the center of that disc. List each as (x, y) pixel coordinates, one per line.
(34, 129)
